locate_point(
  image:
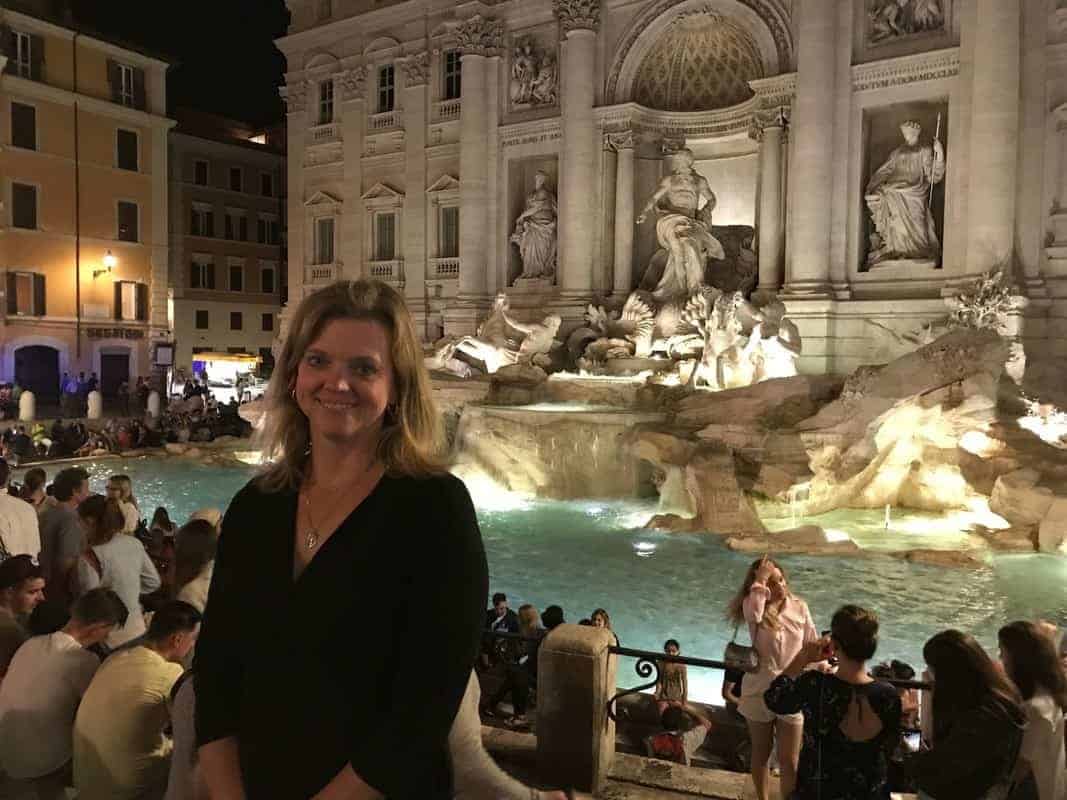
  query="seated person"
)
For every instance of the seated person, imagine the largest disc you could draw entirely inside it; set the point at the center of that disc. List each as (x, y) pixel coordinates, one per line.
(120, 749)
(684, 731)
(40, 694)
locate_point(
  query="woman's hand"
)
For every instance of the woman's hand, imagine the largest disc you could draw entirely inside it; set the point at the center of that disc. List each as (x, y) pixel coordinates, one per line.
(810, 653)
(765, 570)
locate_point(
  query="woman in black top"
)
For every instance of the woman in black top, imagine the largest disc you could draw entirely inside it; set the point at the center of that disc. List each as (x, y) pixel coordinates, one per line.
(345, 607)
(978, 724)
(851, 721)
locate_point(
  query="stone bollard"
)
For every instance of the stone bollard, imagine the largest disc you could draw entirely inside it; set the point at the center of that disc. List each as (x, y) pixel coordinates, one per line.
(153, 404)
(27, 406)
(575, 736)
(95, 404)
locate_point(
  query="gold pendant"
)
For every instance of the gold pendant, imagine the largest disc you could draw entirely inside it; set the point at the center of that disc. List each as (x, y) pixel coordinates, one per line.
(311, 539)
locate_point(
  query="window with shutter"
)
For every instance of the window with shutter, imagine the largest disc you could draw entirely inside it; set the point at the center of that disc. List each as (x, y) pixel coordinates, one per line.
(114, 80)
(37, 58)
(140, 99)
(23, 126)
(117, 307)
(125, 86)
(242, 228)
(386, 88)
(236, 180)
(324, 241)
(266, 184)
(39, 297)
(128, 229)
(23, 52)
(141, 308)
(210, 276)
(266, 280)
(452, 75)
(126, 156)
(11, 290)
(448, 244)
(7, 47)
(24, 206)
(25, 294)
(385, 237)
(237, 278)
(200, 173)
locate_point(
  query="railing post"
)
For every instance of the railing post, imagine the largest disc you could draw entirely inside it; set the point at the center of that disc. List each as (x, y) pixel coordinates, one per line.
(575, 736)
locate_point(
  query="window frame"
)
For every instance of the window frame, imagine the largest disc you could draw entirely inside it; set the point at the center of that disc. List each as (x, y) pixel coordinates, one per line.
(207, 171)
(238, 265)
(263, 322)
(451, 75)
(270, 268)
(33, 277)
(239, 317)
(269, 177)
(239, 171)
(196, 319)
(376, 244)
(318, 256)
(119, 203)
(11, 120)
(441, 228)
(23, 56)
(202, 266)
(136, 150)
(126, 92)
(326, 102)
(36, 206)
(386, 90)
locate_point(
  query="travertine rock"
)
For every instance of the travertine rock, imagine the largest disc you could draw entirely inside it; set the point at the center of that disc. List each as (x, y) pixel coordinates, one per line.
(1019, 499)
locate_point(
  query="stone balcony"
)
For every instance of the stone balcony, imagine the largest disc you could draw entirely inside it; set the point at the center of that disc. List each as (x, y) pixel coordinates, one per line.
(445, 110)
(324, 134)
(444, 268)
(387, 120)
(321, 274)
(388, 271)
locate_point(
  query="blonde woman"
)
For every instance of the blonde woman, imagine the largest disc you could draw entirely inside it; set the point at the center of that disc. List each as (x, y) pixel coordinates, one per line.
(120, 488)
(779, 624)
(345, 607)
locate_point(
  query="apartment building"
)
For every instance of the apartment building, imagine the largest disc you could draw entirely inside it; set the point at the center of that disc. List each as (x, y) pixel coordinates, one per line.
(83, 203)
(227, 202)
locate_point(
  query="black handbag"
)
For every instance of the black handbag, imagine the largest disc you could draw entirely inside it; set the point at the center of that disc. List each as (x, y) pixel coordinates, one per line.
(740, 657)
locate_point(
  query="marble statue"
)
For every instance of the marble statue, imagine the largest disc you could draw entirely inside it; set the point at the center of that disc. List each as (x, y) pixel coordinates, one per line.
(774, 343)
(891, 19)
(502, 340)
(898, 196)
(684, 203)
(534, 75)
(535, 231)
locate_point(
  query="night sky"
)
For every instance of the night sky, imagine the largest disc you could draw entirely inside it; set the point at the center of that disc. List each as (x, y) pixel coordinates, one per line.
(228, 63)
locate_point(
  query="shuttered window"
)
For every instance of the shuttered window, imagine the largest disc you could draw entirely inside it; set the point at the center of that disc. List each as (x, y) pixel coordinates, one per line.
(25, 294)
(23, 126)
(127, 85)
(201, 275)
(128, 227)
(131, 301)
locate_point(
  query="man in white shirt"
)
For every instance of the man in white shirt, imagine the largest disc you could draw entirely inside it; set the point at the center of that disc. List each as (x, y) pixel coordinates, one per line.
(19, 534)
(40, 694)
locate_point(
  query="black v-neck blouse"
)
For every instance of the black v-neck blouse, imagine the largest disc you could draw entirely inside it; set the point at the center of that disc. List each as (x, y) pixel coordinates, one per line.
(363, 659)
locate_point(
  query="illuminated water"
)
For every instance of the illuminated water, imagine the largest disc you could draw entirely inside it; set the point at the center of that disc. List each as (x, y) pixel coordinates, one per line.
(582, 555)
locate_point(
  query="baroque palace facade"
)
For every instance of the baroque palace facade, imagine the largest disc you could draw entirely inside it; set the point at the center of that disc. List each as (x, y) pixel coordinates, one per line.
(869, 159)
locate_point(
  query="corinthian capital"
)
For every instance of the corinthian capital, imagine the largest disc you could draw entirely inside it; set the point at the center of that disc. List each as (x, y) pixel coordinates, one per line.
(576, 15)
(620, 140)
(354, 82)
(480, 35)
(416, 69)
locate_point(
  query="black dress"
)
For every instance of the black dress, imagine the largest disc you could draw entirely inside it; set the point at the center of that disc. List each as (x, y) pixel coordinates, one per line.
(846, 769)
(362, 660)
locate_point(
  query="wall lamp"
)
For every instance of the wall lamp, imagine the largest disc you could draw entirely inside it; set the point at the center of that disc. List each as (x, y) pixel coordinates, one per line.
(109, 264)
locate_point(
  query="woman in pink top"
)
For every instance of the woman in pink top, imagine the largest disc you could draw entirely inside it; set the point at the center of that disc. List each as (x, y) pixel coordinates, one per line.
(779, 624)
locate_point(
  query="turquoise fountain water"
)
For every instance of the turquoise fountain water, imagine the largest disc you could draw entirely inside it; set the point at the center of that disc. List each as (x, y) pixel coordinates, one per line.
(584, 555)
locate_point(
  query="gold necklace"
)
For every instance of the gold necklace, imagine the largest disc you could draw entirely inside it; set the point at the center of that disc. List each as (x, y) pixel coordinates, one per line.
(311, 537)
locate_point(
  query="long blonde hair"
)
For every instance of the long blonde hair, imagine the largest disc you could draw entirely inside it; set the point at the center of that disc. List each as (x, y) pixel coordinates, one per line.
(735, 611)
(410, 442)
(125, 487)
(528, 619)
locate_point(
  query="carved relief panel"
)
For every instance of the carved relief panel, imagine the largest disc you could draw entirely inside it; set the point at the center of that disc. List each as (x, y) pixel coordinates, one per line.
(533, 72)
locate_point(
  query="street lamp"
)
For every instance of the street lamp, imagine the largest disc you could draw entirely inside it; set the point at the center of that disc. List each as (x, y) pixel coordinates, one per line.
(109, 262)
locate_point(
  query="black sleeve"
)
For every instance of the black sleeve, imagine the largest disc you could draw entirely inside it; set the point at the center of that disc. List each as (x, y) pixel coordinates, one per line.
(442, 622)
(788, 695)
(218, 665)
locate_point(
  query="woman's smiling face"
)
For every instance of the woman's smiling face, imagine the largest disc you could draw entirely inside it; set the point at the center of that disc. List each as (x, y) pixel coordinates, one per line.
(345, 380)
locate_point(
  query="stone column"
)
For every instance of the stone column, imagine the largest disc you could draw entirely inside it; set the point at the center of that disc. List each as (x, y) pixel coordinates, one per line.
(811, 181)
(578, 21)
(416, 70)
(477, 37)
(769, 129)
(353, 121)
(623, 145)
(295, 96)
(994, 138)
(575, 736)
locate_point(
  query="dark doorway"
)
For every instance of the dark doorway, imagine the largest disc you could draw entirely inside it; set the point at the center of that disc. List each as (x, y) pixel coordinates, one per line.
(114, 369)
(37, 369)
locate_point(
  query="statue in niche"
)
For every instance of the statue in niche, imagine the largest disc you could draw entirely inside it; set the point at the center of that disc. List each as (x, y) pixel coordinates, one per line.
(535, 231)
(891, 19)
(534, 75)
(502, 340)
(898, 196)
(684, 202)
